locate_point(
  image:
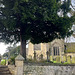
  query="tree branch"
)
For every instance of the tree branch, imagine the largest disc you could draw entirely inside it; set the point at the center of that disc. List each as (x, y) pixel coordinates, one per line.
(73, 6)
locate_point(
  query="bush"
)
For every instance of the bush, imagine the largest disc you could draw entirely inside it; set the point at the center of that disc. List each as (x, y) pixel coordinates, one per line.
(54, 62)
(3, 62)
(11, 60)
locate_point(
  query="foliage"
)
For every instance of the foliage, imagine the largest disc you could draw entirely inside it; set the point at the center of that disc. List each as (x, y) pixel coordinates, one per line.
(5, 54)
(15, 51)
(3, 62)
(11, 60)
(34, 20)
(22, 17)
(12, 52)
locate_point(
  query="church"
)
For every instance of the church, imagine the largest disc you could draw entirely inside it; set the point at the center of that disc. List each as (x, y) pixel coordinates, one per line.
(54, 48)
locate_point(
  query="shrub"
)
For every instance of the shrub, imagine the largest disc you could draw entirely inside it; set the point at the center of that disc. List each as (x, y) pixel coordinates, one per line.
(11, 60)
(3, 62)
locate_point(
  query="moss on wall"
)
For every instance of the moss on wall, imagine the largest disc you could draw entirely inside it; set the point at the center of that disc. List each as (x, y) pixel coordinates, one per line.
(70, 47)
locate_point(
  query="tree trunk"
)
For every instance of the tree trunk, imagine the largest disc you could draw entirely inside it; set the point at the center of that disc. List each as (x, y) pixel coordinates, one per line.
(23, 47)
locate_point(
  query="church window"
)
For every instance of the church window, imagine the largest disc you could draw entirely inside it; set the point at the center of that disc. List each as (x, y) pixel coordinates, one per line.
(56, 51)
(37, 47)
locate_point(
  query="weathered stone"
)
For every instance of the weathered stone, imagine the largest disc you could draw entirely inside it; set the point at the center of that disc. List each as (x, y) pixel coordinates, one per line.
(49, 70)
(73, 59)
(46, 47)
(64, 58)
(51, 58)
(68, 59)
(58, 59)
(19, 62)
(19, 57)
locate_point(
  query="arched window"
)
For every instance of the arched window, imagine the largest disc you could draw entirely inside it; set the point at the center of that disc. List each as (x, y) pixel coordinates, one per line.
(56, 51)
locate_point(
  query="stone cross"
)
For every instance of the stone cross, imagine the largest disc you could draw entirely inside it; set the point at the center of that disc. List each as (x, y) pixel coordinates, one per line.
(34, 55)
(47, 55)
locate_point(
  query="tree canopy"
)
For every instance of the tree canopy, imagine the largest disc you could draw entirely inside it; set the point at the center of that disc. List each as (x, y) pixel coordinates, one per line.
(34, 20)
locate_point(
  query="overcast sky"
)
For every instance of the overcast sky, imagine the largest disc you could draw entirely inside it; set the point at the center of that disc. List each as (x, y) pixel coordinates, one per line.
(2, 48)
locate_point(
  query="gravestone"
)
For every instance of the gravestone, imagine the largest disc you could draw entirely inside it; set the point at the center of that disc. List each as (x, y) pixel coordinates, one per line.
(64, 58)
(73, 59)
(41, 56)
(34, 55)
(51, 58)
(58, 59)
(69, 59)
(47, 55)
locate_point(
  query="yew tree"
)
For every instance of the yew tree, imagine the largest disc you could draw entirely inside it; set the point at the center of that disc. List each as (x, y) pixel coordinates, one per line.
(34, 20)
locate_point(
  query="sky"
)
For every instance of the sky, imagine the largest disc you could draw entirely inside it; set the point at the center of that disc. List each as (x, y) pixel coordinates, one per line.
(70, 39)
(3, 48)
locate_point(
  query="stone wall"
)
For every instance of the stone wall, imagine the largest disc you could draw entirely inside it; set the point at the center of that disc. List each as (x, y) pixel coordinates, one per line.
(26, 68)
(12, 69)
(38, 52)
(70, 54)
(48, 70)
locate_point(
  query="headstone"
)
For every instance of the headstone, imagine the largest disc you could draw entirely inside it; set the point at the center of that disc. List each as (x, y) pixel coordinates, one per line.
(68, 59)
(30, 57)
(58, 59)
(41, 56)
(47, 55)
(34, 55)
(73, 59)
(64, 58)
(51, 58)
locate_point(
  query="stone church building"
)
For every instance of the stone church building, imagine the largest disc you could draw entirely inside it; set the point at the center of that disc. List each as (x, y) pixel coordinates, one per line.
(54, 48)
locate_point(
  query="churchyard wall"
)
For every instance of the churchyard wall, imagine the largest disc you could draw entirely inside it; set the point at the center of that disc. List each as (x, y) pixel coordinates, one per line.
(48, 70)
(26, 68)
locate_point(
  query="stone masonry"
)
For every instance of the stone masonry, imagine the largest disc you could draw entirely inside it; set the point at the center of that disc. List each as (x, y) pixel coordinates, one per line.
(22, 68)
(49, 70)
(58, 43)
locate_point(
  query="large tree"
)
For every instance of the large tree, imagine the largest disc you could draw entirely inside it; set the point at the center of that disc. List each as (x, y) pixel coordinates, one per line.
(34, 20)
